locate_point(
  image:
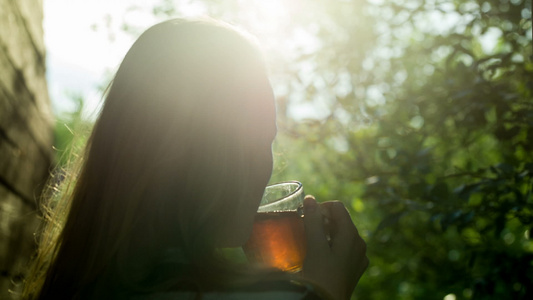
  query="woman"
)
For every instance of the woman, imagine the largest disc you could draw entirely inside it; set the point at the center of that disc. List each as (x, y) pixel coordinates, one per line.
(174, 171)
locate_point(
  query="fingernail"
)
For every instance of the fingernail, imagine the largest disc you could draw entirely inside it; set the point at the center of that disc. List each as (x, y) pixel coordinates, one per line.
(309, 205)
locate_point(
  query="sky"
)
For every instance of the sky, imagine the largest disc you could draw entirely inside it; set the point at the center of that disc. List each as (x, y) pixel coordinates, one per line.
(83, 46)
(77, 56)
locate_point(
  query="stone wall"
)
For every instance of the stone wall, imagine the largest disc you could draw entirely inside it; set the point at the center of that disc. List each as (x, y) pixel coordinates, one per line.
(25, 135)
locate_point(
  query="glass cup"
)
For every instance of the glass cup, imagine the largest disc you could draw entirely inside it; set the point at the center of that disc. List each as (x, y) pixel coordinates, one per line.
(278, 235)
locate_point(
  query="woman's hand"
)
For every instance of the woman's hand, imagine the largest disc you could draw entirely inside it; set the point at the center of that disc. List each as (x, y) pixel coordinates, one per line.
(336, 254)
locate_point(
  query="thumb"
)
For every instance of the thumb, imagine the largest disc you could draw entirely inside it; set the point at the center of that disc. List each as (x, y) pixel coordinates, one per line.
(317, 243)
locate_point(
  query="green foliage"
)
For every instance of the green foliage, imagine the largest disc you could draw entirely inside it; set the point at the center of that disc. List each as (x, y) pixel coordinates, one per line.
(435, 157)
(71, 131)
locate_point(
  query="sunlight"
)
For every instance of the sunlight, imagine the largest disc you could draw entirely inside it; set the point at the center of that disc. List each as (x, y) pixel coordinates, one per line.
(272, 10)
(286, 32)
(266, 17)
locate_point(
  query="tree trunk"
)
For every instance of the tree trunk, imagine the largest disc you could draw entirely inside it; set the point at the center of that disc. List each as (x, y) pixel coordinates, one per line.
(25, 135)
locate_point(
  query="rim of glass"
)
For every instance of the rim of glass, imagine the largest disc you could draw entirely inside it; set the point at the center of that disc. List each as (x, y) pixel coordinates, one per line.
(290, 195)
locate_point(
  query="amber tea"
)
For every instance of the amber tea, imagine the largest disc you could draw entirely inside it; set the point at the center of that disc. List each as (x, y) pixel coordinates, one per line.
(278, 240)
(278, 235)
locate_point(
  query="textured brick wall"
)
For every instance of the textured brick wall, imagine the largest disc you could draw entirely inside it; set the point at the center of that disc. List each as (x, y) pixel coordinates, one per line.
(25, 134)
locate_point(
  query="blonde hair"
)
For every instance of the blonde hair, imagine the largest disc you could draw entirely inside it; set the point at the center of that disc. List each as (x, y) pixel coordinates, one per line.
(170, 158)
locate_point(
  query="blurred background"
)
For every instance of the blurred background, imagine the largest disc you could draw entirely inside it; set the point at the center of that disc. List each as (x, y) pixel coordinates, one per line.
(418, 115)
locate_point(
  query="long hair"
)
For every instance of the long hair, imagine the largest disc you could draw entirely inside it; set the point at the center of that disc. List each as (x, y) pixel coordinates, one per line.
(173, 154)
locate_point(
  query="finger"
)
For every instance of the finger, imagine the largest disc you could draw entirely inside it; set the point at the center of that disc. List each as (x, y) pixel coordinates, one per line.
(337, 211)
(345, 237)
(339, 215)
(317, 243)
(324, 210)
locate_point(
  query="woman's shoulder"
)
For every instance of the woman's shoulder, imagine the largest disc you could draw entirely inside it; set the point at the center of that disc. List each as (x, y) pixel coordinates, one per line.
(283, 290)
